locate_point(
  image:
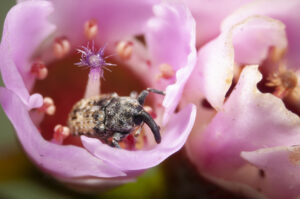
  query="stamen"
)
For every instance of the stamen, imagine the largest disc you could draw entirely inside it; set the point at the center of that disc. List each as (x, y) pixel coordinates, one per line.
(48, 106)
(60, 133)
(39, 69)
(166, 71)
(124, 49)
(91, 29)
(128, 143)
(149, 110)
(276, 54)
(141, 141)
(61, 47)
(285, 81)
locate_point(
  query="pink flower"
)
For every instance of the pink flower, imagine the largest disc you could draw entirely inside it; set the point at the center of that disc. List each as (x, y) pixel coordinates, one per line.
(248, 140)
(154, 46)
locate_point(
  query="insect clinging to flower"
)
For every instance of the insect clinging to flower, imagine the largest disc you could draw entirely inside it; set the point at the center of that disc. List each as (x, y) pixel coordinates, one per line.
(112, 116)
(108, 116)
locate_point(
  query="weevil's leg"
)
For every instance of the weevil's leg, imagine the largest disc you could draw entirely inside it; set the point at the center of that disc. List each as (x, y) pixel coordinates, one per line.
(142, 96)
(133, 94)
(138, 132)
(117, 137)
(153, 90)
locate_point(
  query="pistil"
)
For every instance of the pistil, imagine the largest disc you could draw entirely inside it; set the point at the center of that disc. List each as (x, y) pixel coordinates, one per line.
(95, 60)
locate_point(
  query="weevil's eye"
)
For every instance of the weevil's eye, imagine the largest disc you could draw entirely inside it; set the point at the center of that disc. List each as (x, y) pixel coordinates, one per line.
(138, 120)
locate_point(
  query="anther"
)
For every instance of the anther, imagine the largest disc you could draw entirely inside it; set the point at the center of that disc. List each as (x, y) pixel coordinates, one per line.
(285, 81)
(166, 71)
(60, 133)
(48, 106)
(149, 110)
(61, 47)
(91, 29)
(276, 54)
(39, 69)
(124, 49)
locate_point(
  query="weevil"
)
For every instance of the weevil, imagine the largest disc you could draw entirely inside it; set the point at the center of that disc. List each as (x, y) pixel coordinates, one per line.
(112, 116)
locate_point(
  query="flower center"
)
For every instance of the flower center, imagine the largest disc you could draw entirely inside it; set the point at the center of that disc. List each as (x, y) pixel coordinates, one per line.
(66, 84)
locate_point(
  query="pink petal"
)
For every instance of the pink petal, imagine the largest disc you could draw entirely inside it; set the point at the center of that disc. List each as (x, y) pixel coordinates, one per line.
(209, 15)
(170, 35)
(249, 120)
(285, 11)
(173, 138)
(63, 161)
(281, 171)
(116, 18)
(19, 41)
(214, 73)
(171, 40)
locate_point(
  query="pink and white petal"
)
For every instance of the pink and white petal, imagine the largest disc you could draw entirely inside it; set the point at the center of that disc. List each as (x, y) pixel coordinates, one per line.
(57, 159)
(286, 12)
(170, 39)
(209, 15)
(215, 67)
(214, 70)
(115, 18)
(19, 42)
(249, 120)
(281, 169)
(254, 38)
(174, 136)
(170, 35)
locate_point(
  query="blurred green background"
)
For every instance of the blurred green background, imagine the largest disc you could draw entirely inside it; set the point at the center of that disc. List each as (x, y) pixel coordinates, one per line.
(19, 179)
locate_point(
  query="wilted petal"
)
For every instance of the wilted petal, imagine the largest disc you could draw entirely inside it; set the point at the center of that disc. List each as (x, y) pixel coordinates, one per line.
(214, 72)
(281, 169)
(286, 12)
(171, 40)
(19, 41)
(174, 137)
(60, 160)
(250, 120)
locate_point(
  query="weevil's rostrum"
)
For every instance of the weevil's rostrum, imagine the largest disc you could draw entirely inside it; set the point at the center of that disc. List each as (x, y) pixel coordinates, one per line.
(111, 116)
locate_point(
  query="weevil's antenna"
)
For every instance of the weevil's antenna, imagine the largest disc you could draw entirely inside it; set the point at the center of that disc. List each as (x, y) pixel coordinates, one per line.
(145, 117)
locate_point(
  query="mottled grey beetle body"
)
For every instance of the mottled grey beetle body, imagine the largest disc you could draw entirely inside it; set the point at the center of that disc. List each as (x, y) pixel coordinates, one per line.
(107, 116)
